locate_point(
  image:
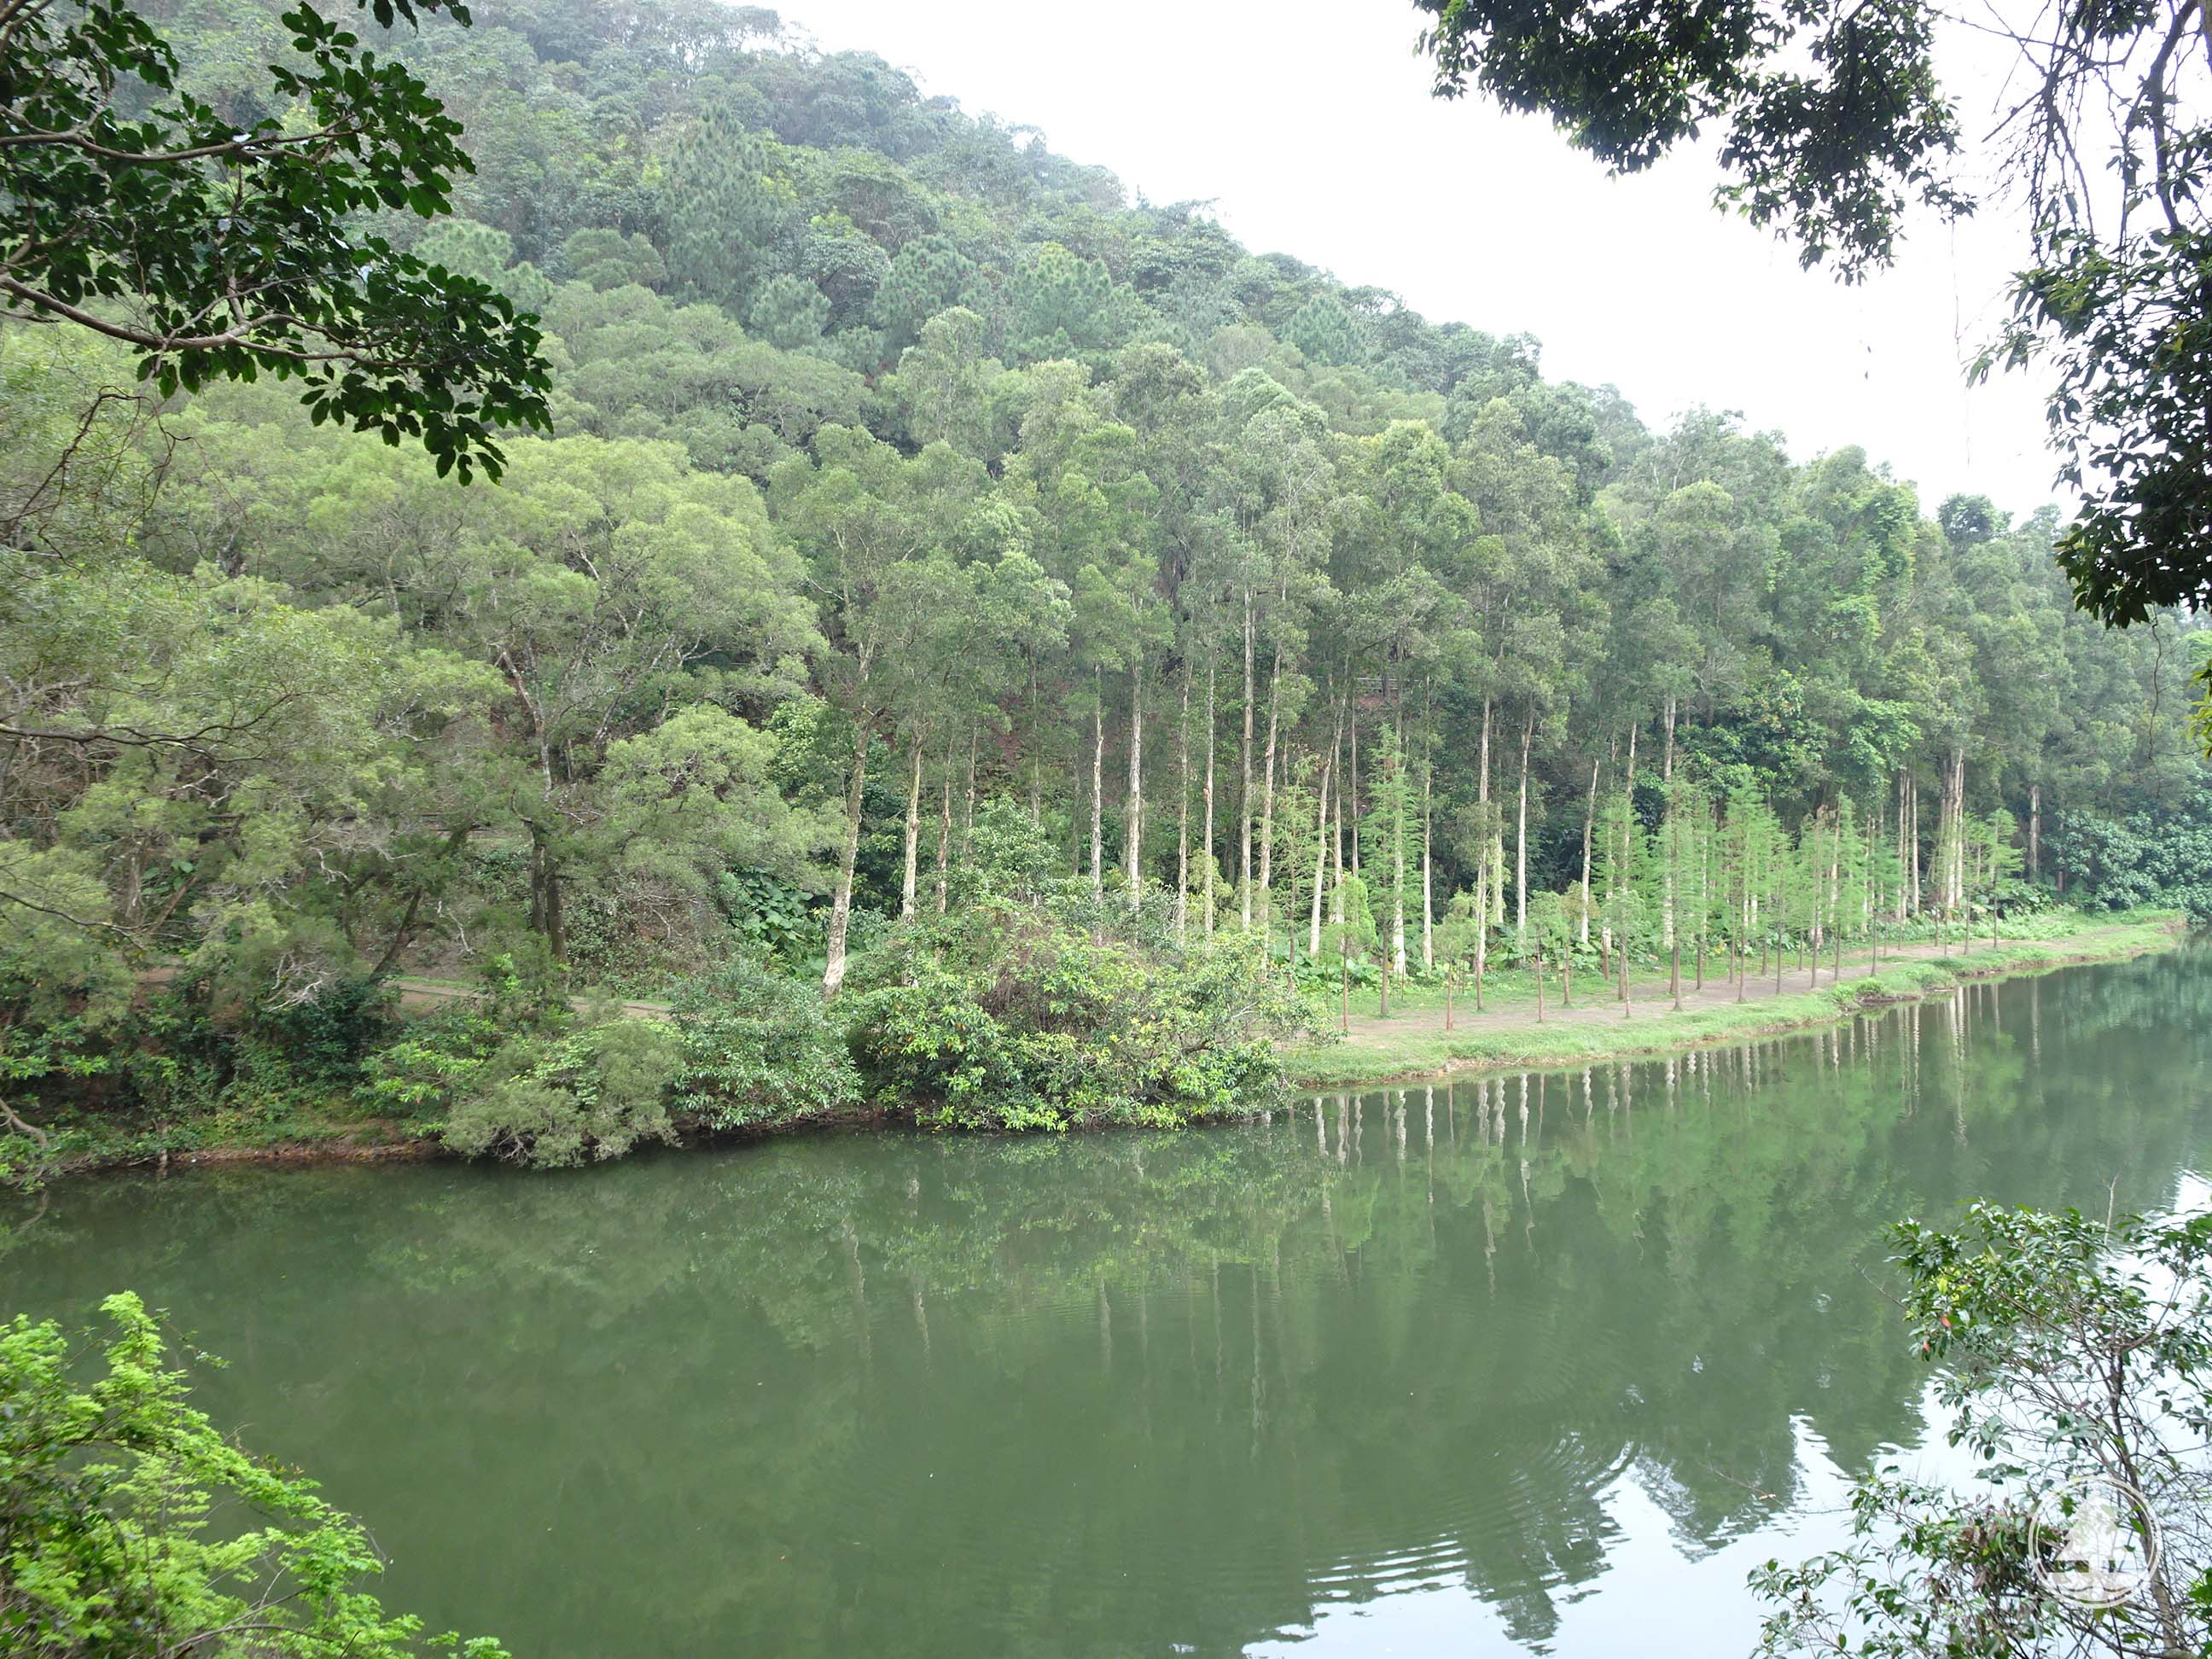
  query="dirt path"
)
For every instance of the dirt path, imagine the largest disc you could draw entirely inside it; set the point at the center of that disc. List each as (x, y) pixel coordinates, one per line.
(1596, 999)
(420, 995)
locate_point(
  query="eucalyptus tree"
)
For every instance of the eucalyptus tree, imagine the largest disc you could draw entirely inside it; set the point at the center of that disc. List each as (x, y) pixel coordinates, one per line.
(1386, 834)
(861, 511)
(1287, 488)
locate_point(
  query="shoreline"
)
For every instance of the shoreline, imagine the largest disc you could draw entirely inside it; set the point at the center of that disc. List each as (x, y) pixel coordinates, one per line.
(1521, 1042)
(1416, 1052)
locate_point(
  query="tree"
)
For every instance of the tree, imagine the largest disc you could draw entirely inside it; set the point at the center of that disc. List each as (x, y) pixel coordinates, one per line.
(734, 215)
(861, 513)
(2076, 1357)
(108, 1491)
(1386, 839)
(2000, 859)
(1835, 123)
(221, 252)
(1550, 936)
(1459, 939)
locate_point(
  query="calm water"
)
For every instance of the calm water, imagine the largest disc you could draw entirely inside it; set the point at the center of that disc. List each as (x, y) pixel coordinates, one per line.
(1538, 1364)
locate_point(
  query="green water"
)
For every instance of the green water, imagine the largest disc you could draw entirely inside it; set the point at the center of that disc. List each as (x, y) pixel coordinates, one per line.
(1522, 1364)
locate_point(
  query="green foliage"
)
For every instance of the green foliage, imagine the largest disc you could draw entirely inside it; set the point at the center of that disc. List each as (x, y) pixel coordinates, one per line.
(1837, 124)
(595, 1093)
(179, 208)
(1008, 1019)
(2159, 856)
(908, 467)
(130, 1525)
(437, 1061)
(758, 1048)
(2069, 1348)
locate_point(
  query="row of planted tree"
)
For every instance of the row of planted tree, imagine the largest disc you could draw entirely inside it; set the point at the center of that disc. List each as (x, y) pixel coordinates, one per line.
(1698, 875)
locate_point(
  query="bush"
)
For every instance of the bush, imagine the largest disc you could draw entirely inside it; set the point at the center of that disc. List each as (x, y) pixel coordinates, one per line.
(595, 1094)
(439, 1060)
(107, 1493)
(1009, 1018)
(2161, 858)
(759, 1048)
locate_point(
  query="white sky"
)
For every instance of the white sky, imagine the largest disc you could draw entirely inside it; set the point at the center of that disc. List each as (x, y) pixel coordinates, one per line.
(1311, 128)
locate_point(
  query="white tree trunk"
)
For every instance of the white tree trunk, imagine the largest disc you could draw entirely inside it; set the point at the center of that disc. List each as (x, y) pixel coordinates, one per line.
(1521, 840)
(1205, 842)
(1182, 812)
(1589, 830)
(840, 906)
(1244, 790)
(1428, 891)
(1320, 856)
(945, 830)
(907, 887)
(1268, 797)
(1133, 859)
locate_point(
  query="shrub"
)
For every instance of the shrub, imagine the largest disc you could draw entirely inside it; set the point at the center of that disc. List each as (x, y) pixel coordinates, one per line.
(759, 1048)
(1009, 1018)
(120, 1512)
(438, 1060)
(594, 1094)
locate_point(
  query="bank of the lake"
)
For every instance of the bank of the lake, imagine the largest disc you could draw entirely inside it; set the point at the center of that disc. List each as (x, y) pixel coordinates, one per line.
(1510, 1032)
(1411, 1042)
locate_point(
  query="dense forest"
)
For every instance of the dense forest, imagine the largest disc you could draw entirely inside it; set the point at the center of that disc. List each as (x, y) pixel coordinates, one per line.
(951, 585)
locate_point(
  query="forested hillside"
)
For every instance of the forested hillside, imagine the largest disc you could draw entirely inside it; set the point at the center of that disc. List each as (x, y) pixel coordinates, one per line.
(929, 529)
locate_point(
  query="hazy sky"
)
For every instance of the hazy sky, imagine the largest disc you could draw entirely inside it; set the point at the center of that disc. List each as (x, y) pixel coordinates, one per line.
(1312, 130)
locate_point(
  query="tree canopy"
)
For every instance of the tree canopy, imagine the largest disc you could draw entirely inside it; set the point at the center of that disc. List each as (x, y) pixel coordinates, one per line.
(1835, 122)
(220, 243)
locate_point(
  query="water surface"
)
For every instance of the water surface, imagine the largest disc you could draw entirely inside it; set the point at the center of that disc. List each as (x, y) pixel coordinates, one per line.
(1532, 1363)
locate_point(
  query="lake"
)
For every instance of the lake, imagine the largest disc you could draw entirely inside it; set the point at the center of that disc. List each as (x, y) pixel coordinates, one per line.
(1516, 1363)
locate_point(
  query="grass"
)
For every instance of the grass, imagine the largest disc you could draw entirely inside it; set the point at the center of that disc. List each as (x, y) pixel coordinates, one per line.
(1421, 1050)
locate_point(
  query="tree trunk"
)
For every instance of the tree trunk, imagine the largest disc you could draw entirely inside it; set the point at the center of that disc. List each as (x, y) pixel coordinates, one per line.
(1428, 889)
(1182, 812)
(967, 814)
(1267, 800)
(1336, 757)
(1098, 783)
(945, 830)
(1351, 803)
(1667, 766)
(1398, 862)
(1482, 918)
(1133, 857)
(545, 900)
(1521, 837)
(1321, 854)
(2034, 832)
(1205, 839)
(1912, 848)
(1589, 826)
(1244, 790)
(1904, 850)
(906, 885)
(1955, 791)
(840, 905)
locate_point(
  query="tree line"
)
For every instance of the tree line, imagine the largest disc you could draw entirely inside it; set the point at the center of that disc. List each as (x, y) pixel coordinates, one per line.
(899, 466)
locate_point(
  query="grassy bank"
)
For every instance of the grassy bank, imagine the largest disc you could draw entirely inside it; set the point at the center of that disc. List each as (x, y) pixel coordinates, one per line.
(1411, 1042)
